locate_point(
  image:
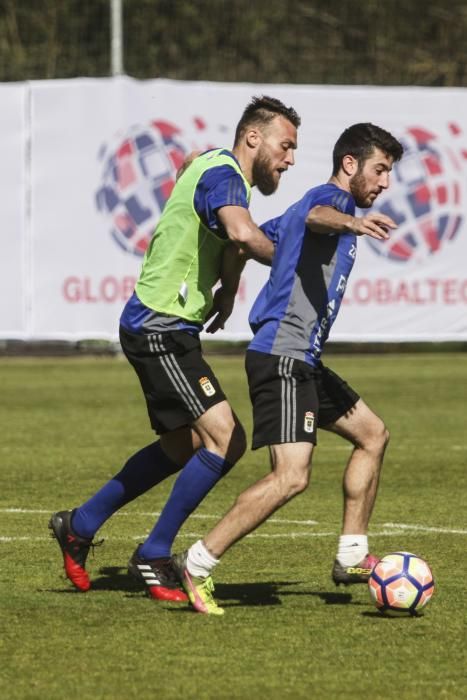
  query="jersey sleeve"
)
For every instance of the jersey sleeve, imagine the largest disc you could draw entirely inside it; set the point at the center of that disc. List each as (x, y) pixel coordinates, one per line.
(219, 187)
(271, 229)
(340, 200)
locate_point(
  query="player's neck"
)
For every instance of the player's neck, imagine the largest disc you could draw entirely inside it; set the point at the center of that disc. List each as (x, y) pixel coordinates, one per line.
(340, 180)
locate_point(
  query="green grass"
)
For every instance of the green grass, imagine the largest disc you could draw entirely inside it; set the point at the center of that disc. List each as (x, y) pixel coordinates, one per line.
(67, 426)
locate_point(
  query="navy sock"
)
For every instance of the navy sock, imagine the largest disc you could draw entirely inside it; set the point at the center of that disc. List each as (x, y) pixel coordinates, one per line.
(194, 482)
(142, 471)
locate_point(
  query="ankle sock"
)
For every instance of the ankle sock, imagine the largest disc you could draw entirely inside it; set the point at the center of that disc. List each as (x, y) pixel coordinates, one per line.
(200, 561)
(352, 549)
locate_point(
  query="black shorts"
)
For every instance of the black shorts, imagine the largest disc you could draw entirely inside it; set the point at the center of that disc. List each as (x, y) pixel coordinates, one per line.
(179, 386)
(291, 399)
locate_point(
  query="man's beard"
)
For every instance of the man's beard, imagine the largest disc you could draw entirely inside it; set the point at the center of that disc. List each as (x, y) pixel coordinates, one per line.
(263, 176)
(358, 190)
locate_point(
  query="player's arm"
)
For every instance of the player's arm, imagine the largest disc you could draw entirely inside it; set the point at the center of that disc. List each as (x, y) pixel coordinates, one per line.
(327, 219)
(222, 203)
(187, 162)
(233, 262)
(245, 234)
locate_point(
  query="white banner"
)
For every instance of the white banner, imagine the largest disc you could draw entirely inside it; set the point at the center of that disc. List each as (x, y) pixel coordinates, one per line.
(14, 260)
(89, 164)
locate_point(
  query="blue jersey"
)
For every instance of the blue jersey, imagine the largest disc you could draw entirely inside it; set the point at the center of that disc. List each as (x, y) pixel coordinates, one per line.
(295, 310)
(218, 187)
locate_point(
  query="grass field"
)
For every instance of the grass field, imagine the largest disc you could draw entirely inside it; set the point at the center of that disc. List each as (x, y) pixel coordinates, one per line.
(68, 424)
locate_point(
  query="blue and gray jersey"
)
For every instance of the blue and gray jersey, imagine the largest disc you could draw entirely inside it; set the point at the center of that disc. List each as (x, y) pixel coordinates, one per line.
(218, 187)
(295, 310)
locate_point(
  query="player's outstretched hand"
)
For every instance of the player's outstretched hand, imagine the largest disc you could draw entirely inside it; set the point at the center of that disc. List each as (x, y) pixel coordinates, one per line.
(374, 224)
(222, 307)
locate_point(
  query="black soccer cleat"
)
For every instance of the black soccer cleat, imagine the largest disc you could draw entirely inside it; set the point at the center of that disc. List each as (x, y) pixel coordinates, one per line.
(158, 576)
(75, 549)
(358, 573)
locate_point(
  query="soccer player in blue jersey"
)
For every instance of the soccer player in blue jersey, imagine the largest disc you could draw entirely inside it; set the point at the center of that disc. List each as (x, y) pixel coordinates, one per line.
(292, 392)
(204, 222)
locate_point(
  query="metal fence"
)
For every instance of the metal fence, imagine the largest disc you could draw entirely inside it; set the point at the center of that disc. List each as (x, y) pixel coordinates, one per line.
(346, 42)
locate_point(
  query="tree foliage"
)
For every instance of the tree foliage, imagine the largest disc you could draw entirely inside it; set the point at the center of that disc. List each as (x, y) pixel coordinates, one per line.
(396, 42)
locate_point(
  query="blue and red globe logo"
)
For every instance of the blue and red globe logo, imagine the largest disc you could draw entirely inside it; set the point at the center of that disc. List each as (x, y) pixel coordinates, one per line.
(426, 197)
(139, 172)
(138, 177)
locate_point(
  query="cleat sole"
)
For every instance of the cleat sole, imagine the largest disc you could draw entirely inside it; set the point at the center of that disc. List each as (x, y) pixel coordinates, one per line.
(173, 595)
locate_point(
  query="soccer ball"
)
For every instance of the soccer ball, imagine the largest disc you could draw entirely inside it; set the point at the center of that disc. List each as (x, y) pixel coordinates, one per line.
(401, 584)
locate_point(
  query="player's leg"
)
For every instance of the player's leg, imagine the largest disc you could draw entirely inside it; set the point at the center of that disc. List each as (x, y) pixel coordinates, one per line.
(289, 476)
(224, 443)
(369, 436)
(75, 529)
(142, 471)
(284, 405)
(283, 396)
(200, 400)
(345, 414)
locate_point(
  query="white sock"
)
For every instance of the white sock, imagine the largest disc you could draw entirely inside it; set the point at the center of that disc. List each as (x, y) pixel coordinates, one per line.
(352, 549)
(200, 561)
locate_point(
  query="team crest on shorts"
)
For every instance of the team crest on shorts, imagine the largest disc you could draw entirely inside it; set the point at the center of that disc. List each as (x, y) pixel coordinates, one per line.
(206, 386)
(309, 422)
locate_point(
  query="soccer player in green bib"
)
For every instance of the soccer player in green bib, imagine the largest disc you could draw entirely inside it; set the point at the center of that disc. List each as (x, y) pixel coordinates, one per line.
(205, 222)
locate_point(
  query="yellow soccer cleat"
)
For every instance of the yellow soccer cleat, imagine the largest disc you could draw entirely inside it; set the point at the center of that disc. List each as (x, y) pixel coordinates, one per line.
(199, 590)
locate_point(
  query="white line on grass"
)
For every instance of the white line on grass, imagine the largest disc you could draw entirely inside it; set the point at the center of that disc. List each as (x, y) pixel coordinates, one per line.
(393, 532)
(156, 514)
(23, 539)
(191, 535)
(389, 531)
(425, 528)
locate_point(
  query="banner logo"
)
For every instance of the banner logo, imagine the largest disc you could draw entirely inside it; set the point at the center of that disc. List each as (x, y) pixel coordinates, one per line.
(138, 176)
(427, 195)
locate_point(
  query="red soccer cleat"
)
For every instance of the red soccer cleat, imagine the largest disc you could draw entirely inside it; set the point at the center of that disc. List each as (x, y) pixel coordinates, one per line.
(75, 549)
(158, 576)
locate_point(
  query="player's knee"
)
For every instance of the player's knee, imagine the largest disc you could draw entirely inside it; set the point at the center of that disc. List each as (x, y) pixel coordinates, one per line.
(294, 483)
(229, 440)
(300, 483)
(377, 437)
(386, 437)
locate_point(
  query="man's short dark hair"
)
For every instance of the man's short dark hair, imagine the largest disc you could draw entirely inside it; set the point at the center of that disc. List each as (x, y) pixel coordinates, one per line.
(360, 140)
(261, 111)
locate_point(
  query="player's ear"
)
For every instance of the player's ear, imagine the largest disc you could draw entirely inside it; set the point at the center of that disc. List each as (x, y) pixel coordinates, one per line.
(349, 165)
(253, 138)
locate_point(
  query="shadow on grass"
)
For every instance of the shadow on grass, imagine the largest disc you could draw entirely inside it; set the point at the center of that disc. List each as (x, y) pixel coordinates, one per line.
(252, 594)
(117, 578)
(334, 598)
(271, 593)
(260, 594)
(381, 616)
(111, 578)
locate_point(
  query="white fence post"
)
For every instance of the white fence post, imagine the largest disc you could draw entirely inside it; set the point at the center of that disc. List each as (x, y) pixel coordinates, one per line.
(116, 44)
